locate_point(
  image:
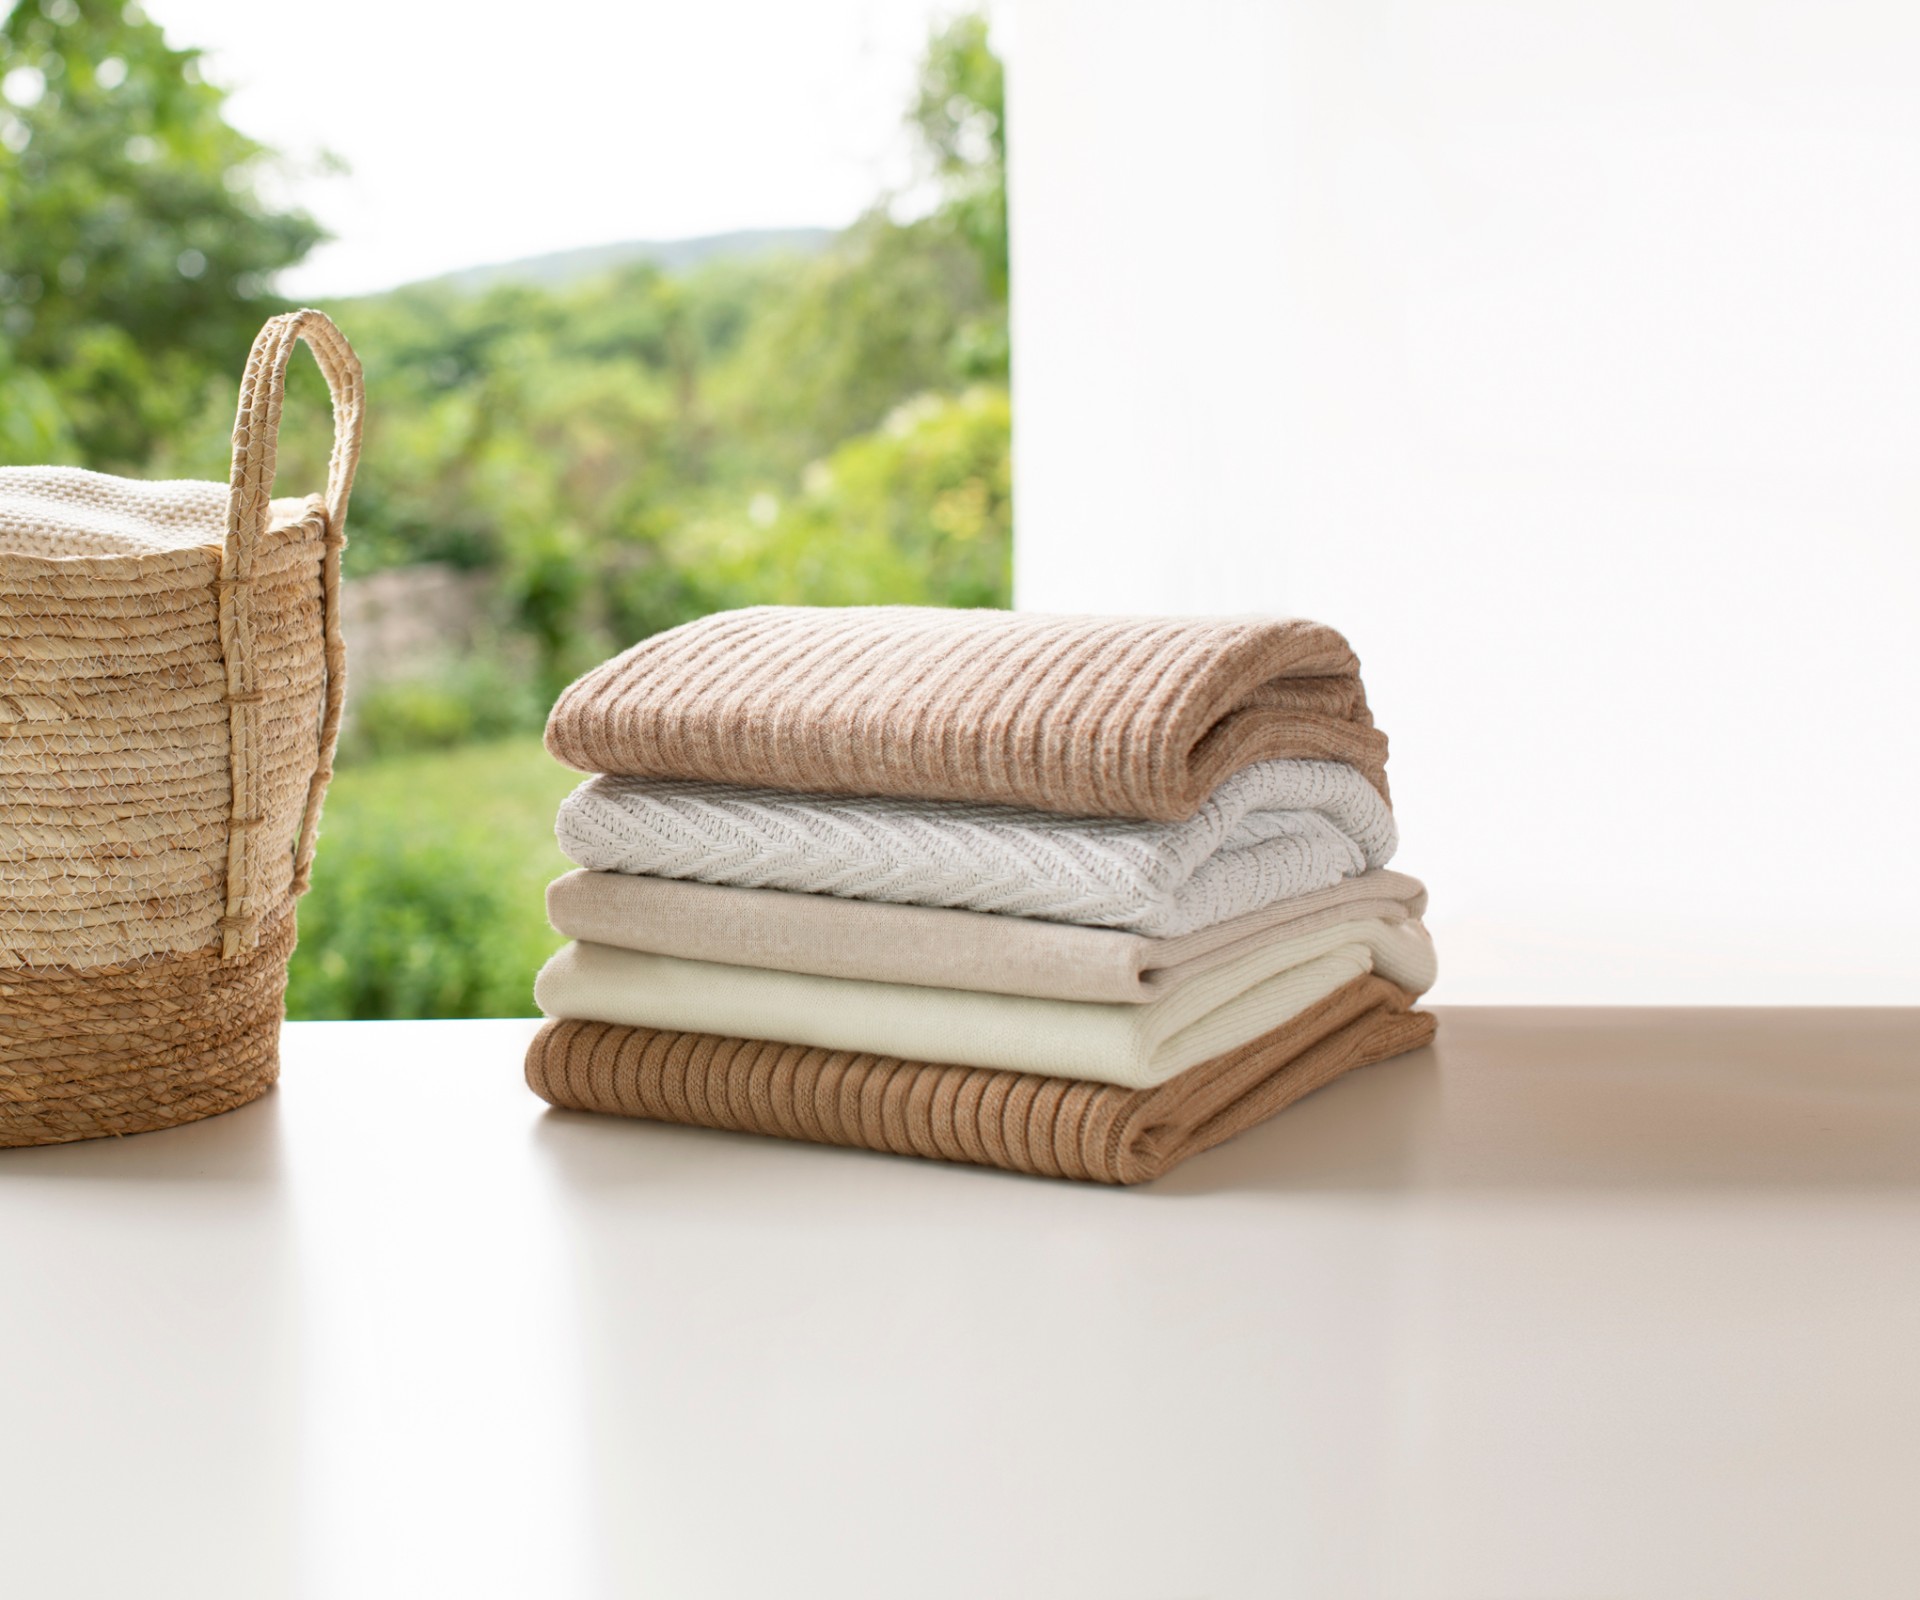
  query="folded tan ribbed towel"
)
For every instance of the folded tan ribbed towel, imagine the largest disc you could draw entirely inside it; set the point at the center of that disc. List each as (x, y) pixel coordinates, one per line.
(1089, 716)
(1052, 1127)
(937, 948)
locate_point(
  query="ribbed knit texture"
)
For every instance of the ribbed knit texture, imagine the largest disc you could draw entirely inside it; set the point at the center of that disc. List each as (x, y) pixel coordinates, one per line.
(936, 948)
(1086, 716)
(1270, 832)
(1049, 1126)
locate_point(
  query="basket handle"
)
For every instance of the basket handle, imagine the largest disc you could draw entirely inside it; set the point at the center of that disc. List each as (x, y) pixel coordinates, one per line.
(256, 430)
(256, 442)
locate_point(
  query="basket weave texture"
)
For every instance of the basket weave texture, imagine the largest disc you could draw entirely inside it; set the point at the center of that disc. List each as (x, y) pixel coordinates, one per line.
(171, 683)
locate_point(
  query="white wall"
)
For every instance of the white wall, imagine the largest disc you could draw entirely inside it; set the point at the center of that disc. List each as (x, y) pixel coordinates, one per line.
(1567, 357)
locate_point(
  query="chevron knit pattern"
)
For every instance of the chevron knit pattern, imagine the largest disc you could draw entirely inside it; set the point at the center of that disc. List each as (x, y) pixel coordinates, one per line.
(1270, 832)
(1025, 1122)
(1085, 716)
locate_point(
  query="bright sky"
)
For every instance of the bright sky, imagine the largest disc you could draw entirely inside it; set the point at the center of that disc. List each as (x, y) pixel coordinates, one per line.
(481, 132)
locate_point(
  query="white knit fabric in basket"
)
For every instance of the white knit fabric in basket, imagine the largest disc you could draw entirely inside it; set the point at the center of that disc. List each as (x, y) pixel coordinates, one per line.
(1272, 831)
(61, 512)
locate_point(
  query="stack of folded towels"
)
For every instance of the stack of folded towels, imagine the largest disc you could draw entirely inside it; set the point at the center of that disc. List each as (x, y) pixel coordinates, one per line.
(1076, 896)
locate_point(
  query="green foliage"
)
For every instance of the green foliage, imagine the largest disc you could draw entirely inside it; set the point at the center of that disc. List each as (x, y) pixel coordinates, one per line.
(407, 928)
(917, 512)
(610, 449)
(960, 113)
(33, 425)
(135, 248)
(465, 702)
(607, 450)
(427, 889)
(884, 316)
(595, 447)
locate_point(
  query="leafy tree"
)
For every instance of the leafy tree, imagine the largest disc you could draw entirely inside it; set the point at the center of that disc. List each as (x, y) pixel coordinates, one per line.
(136, 252)
(856, 332)
(960, 113)
(919, 511)
(33, 427)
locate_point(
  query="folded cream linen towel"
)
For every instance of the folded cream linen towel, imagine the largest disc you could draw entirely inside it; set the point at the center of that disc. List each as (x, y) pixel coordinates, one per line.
(1134, 1045)
(1090, 716)
(935, 947)
(1270, 832)
(1049, 1125)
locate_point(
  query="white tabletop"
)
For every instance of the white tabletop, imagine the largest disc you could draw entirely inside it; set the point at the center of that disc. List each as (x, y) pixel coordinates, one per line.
(1576, 1304)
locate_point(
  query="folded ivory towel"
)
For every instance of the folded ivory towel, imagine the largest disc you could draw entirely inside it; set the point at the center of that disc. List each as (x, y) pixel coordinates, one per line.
(1269, 983)
(1051, 1126)
(938, 948)
(1268, 833)
(1089, 716)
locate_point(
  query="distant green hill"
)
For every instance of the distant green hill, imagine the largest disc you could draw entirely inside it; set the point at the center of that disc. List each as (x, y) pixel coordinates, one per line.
(674, 255)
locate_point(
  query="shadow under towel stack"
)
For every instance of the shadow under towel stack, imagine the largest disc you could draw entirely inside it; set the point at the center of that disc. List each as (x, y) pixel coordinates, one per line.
(1075, 896)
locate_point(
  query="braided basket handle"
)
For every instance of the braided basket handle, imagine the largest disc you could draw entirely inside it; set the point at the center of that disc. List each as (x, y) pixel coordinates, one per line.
(256, 442)
(256, 430)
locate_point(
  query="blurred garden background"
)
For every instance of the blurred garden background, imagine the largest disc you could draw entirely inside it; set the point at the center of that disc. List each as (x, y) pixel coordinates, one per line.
(563, 455)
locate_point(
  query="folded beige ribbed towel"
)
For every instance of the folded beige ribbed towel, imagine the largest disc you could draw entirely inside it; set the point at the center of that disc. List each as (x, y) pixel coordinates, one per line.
(938, 948)
(1269, 982)
(1088, 716)
(1053, 1127)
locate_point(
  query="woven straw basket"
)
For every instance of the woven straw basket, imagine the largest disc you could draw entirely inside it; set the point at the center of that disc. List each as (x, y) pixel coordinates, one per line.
(171, 678)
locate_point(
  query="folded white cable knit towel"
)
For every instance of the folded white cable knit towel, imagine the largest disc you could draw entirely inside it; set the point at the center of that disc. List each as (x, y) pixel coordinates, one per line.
(1139, 1046)
(1269, 832)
